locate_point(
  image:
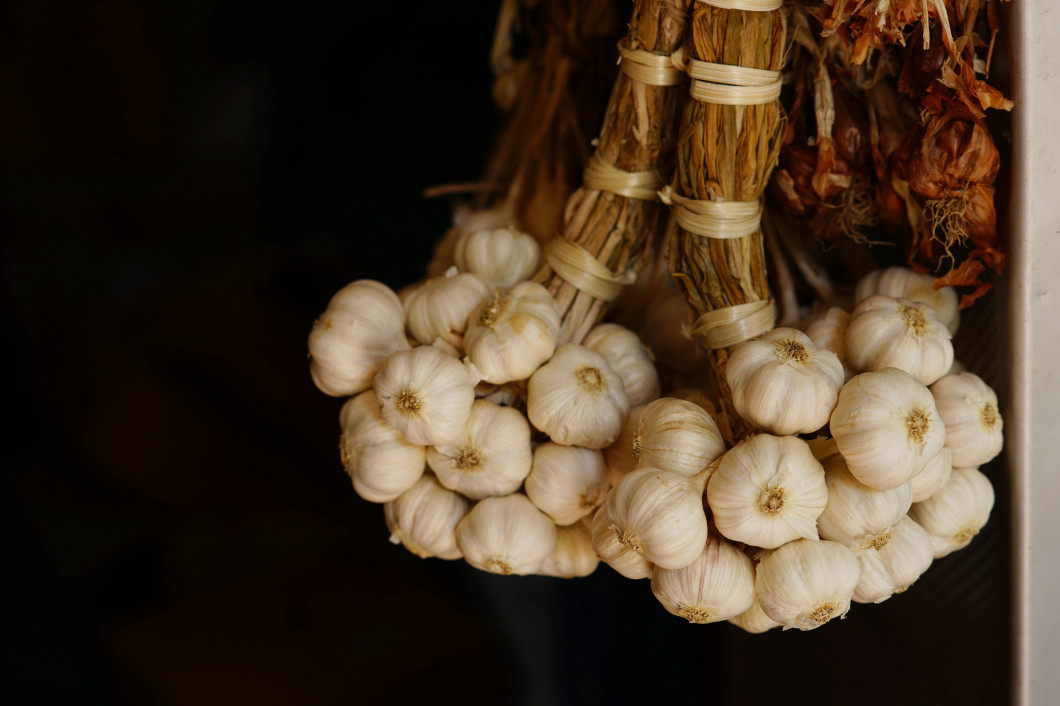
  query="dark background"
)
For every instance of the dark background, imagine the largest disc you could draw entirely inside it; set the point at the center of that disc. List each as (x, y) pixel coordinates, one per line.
(184, 185)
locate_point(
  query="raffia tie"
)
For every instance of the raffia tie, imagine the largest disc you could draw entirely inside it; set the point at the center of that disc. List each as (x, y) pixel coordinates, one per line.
(648, 68)
(714, 219)
(726, 327)
(747, 5)
(724, 84)
(577, 266)
(601, 176)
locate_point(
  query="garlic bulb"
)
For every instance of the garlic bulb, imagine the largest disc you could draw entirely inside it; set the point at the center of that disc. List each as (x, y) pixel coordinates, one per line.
(566, 482)
(804, 584)
(886, 427)
(935, 474)
(424, 519)
(628, 357)
(577, 399)
(573, 554)
(426, 395)
(676, 435)
(381, 464)
(439, 309)
(659, 514)
(829, 331)
(783, 382)
(506, 535)
(614, 553)
(718, 585)
(895, 567)
(621, 457)
(904, 283)
(363, 324)
(857, 516)
(512, 333)
(898, 333)
(499, 256)
(490, 457)
(754, 620)
(957, 511)
(968, 407)
(767, 490)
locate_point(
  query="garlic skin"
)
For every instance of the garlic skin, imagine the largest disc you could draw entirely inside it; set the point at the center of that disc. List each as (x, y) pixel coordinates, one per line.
(363, 324)
(573, 555)
(628, 357)
(829, 331)
(566, 482)
(968, 407)
(767, 490)
(895, 567)
(577, 399)
(381, 464)
(499, 256)
(439, 309)
(718, 585)
(857, 516)
(804, 584)
(659, 514)
(754, 620)
(426, 395)
(935, 474)
(898, 333)
(614, 553)
(783, 383)
(886, 427)
(490, 457)
(904, 283)
(506, 535)
(622, 456)
(512, 333)
(424, 519)
(957, 511)
(676, 435)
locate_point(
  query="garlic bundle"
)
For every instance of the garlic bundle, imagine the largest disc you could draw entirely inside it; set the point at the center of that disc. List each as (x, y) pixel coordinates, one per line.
(363, 324)
(659, 514)
(898, 333)
(424, 519)
(490, 457)
(935, 474)
(968, 408)
(628, 357)
(512, 333)
(381, 464)
(500, 256)
(718, 585)
(577, 399)
(895, 567)
(857, 516)
(573, 554)
(620, 557)
(426, 395)
(676, 435)
(566, 482)
(957, 511)
(767, 490)
(904, 283)
(887, 428)
(621, 457)
(829, 331)
(506, 535)
(754, 620)
(804, 584)
(783, 382)
(440, 307)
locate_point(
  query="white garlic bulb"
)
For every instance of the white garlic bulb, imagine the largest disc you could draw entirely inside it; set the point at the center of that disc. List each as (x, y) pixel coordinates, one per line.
(506, 535)
(566, 482)
(363, 324)
(573, 555)
(968, 407)
(659, 514)
(904, 283)
(426, 395)
(857, 516)
(424, 519)
(804, 584)
(934, 475)
(577, 399)
(439, 309)
(620, 557)
(895, 567)
(381, 464)
(829, 331)
(490, 457)
(957, 511)
(499, 256)
(621, 457)
(767, 490)
(886, 427)
(676, 435)
(783, 382)
(718, 585)
(512, 333)
(754, 620)
(898, 333)
(628, 357)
